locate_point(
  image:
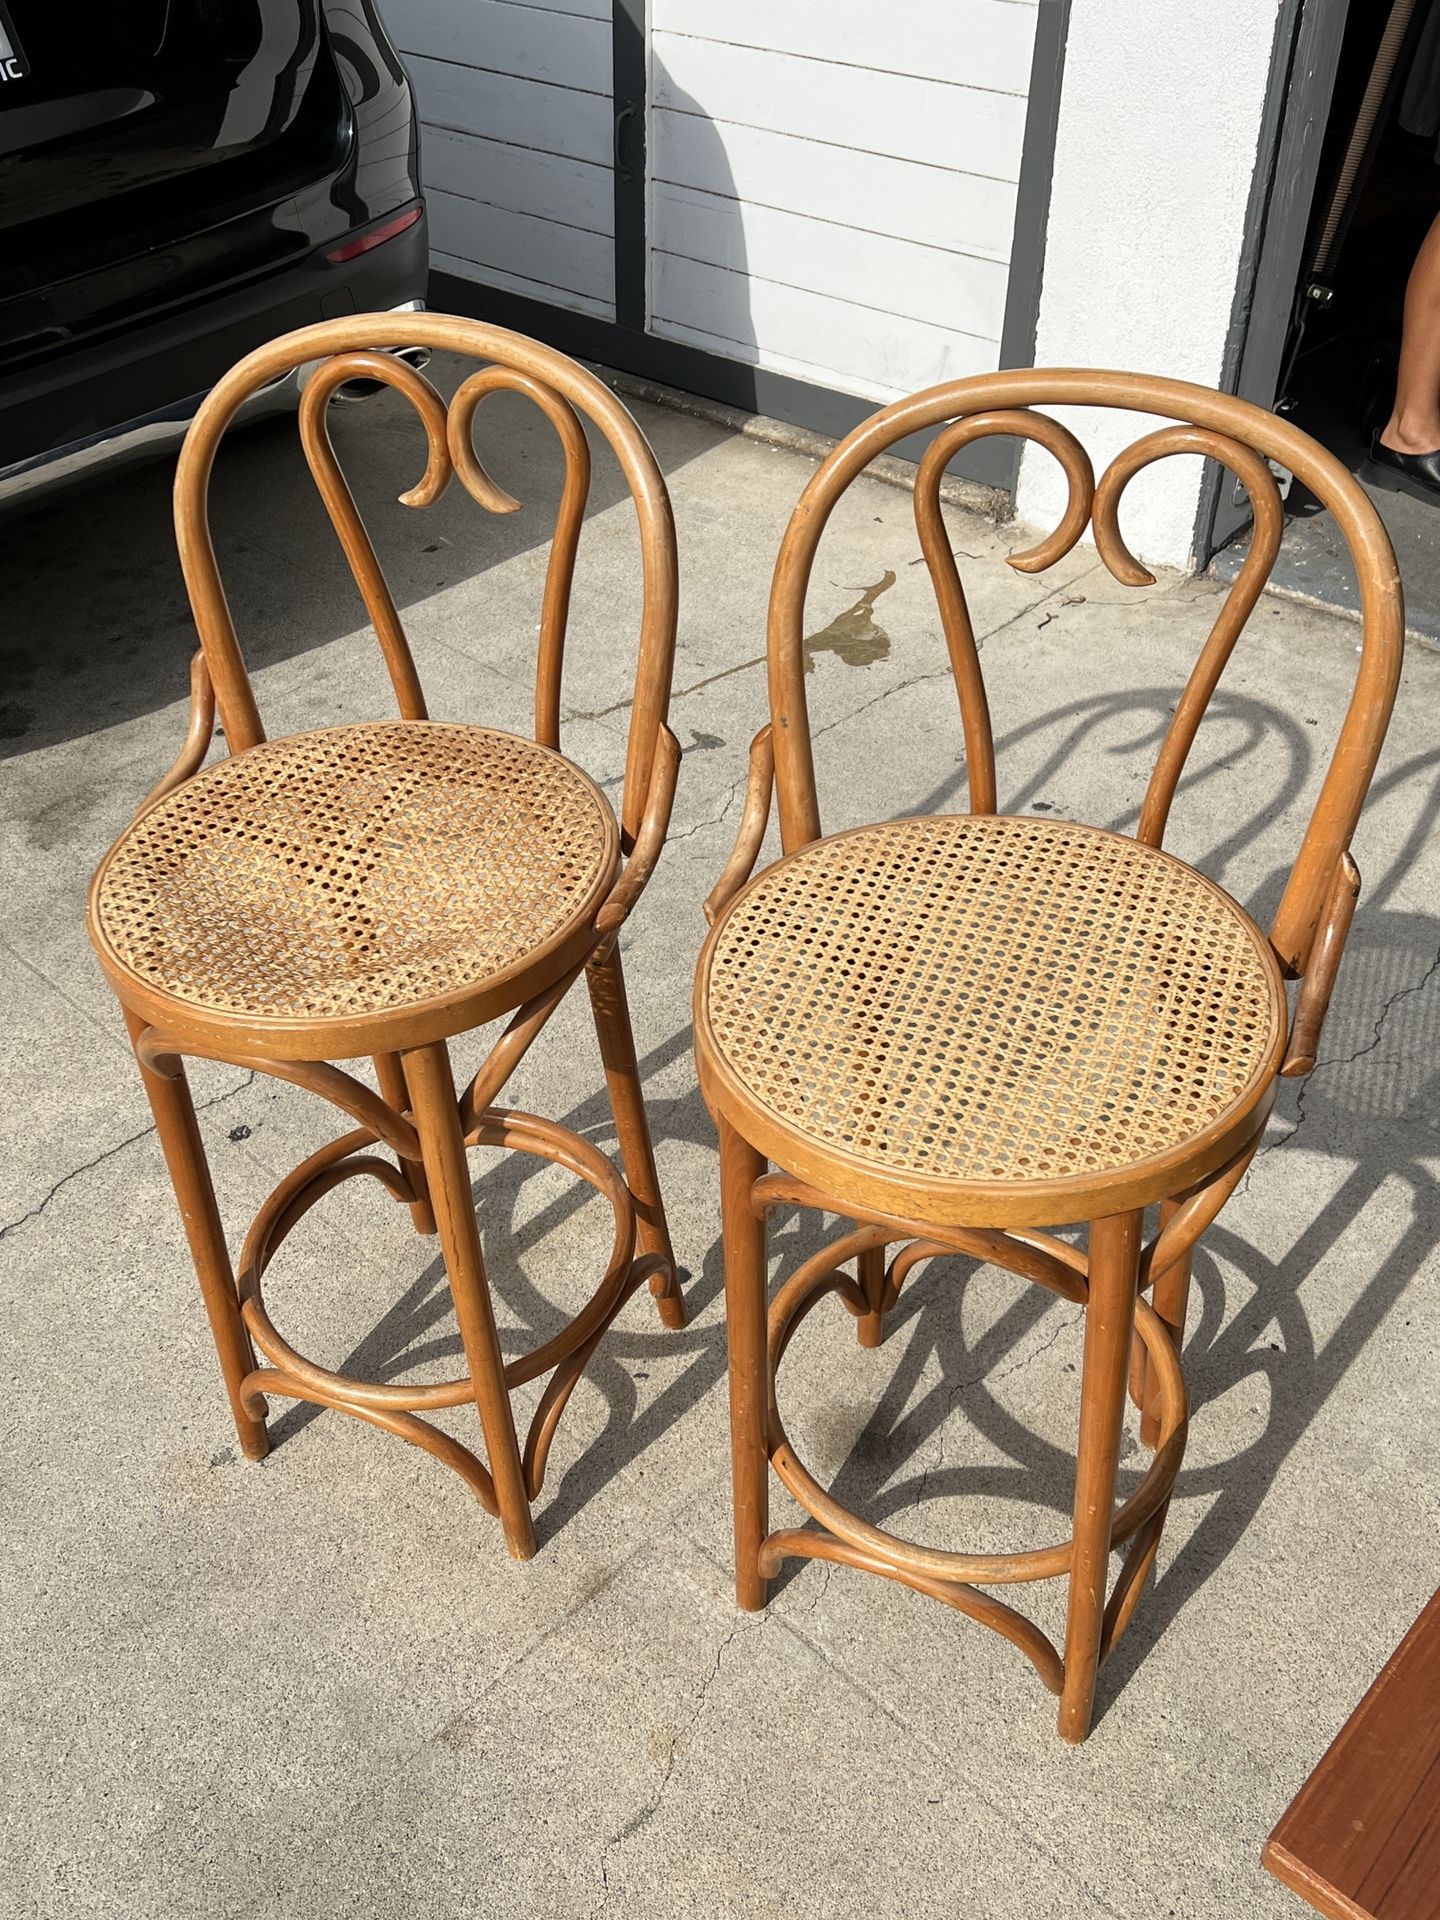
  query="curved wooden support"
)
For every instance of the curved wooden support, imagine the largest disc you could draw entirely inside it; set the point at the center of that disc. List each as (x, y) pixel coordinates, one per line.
(1319, 980)
(306, 1183)
(340, 501)
(664, 772)
(558, 382)
(526, 1026)
(1231, 422)
(562, 1382)
(1269, 515)
(1192, 1215)
(1034, 1257)
(1080, 478)
(405, 1426)
(913, 1254)
(945, 575)
(560, 571)
(162, 1052)
(808, 1543)
(1167, 1385)
(754, 820)
(391, 1405)
(801, 1293)
(948, 1576)
(1040, 1257)
(527, 1133)
(199, 734)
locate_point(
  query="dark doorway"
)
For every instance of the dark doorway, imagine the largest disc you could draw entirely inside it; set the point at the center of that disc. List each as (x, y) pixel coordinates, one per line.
(1377, 191)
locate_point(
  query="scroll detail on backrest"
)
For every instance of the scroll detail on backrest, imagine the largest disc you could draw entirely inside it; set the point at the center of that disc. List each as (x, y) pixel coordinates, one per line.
(1244, 439)
(349, 349)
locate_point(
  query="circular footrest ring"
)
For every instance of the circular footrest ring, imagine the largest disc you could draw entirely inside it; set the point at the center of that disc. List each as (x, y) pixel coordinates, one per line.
(843, 1537)
(394, 1407)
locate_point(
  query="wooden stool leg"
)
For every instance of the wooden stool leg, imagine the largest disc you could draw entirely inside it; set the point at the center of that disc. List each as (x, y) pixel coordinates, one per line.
(437, 1119)
(391, 1076)
(740, 1168)
(1109, 1322)
(184, 1151)
(622, 1079)
(1171, 1301)
(870, 1272)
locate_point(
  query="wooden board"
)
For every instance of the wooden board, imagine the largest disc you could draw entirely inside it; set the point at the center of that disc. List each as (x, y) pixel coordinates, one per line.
(1361, 1839)
(969, 43)
(812, 336)
(547, 186)
(935, 206)
(497, 37)
(949, 290)
(518, 131)
(964, 128)
(565, 259)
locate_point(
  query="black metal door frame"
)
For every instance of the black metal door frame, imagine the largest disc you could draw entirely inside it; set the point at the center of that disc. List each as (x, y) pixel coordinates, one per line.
(1306, 58)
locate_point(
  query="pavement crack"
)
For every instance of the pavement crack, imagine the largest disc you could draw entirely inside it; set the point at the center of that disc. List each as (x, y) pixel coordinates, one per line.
(700, 825)
(109, 1153)
(1342, 1060)
(991, 1377)
(679, 1741)
(1017, 1366)
(901, 686)
(619, 706)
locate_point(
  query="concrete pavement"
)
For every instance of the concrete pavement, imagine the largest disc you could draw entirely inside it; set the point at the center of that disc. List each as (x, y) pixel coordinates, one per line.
(317, 1687)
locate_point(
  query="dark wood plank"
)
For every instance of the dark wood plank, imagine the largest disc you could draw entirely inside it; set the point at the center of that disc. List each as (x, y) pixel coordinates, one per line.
(1361, 1839)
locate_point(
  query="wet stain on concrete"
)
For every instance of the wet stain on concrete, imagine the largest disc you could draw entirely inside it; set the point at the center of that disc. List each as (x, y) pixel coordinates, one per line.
(854, 636)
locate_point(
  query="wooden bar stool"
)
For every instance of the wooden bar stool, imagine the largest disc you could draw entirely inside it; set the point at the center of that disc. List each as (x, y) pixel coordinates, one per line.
(378, 888)
(958, 1031)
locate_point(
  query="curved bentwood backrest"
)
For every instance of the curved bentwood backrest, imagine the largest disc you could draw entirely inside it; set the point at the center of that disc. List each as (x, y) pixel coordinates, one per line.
(353, 349)
(1241, 437)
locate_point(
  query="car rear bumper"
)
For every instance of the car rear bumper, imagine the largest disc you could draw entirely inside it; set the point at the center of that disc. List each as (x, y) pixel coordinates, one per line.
(77, 415)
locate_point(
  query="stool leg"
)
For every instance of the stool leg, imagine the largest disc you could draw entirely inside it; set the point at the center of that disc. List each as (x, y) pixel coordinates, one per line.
(437, 1119)
(622, 1079)
(1109, 1322)
(1171, 1302)
(870, 1272)
(740, 1168)
(184, 1151)
(391, 1076)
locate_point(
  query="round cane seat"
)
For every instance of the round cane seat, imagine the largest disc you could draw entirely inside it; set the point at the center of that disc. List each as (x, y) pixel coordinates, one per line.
(989, 1019)
(315, 888)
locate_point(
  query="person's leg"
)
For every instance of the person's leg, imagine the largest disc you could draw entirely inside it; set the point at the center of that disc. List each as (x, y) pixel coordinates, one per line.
(1414, 424)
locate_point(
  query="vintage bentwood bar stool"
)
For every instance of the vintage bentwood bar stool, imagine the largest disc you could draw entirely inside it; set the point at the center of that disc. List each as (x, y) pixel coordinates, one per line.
(375, 889)
(956, 1031)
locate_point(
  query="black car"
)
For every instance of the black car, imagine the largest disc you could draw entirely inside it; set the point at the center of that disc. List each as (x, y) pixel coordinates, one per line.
(181, 180)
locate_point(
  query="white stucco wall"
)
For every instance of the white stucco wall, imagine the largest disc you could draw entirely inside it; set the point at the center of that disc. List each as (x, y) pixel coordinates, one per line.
(1159, 123)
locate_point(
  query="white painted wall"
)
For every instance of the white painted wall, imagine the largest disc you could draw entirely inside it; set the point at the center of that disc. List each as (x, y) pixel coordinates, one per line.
(515, 109)
(833, 183)
(1159, 124)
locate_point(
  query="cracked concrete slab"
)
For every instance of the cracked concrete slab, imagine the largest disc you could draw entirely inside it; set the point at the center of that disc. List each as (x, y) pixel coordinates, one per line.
(318, 1685)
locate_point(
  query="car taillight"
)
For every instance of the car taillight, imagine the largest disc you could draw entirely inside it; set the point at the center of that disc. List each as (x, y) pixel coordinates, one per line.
(376, 237)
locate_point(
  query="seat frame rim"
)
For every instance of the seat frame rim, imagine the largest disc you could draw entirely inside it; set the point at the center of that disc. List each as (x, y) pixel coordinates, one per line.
(952, 1201)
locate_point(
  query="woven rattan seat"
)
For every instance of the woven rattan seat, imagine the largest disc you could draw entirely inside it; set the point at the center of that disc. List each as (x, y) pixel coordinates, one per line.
(989, 998)
(356, 871)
